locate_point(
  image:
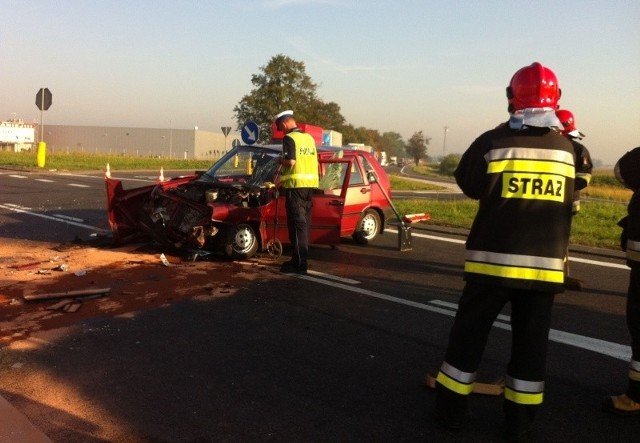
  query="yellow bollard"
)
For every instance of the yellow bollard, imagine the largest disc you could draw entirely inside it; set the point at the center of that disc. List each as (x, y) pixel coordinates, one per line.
(42, 153)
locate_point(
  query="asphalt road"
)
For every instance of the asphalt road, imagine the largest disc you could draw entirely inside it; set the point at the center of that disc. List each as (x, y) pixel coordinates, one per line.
(339, 355)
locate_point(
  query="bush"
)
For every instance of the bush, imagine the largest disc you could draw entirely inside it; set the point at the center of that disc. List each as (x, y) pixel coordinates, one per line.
(449, 164)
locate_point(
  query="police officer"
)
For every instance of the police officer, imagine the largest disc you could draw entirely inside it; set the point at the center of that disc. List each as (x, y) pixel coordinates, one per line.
(299, 177)
(627, 171)
(522, 172)
(584, 167)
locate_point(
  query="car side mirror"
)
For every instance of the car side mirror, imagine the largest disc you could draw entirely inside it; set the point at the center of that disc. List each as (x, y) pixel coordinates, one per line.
(371, 177)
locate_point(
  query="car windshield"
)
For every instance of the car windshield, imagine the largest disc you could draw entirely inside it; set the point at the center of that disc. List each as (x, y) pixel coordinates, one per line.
(252, 165)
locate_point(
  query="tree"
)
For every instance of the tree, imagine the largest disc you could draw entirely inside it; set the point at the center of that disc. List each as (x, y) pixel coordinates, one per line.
(392, 144)
(417, 146)
(284, 84)
(449, 164)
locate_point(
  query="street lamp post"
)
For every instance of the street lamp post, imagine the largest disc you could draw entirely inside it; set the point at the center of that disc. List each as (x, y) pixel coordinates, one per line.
(444, 141)
(170, 138)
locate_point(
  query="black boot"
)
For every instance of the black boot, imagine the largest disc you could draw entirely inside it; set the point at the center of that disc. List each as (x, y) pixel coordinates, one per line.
(519, 420)
(451, 410)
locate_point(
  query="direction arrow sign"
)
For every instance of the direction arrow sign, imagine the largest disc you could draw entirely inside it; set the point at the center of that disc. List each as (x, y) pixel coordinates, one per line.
(250, 132)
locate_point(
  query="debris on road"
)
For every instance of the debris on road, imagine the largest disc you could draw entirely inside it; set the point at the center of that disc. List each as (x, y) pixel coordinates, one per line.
(81, 292)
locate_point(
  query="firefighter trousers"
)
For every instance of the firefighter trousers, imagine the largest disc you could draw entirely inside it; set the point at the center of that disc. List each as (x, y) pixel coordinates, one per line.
(479, 306)
(633, 323)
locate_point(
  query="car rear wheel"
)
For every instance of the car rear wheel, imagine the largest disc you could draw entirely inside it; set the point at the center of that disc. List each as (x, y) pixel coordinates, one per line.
(242, 242)
(368, 227)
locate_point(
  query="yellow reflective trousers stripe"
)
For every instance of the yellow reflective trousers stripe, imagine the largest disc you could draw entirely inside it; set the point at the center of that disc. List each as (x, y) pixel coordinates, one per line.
(454, 385)
(515, 272)
(523, 398)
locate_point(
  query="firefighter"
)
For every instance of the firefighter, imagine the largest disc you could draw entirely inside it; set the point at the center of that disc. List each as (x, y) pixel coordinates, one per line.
(584, 167)
(522, 173)
(627, 171)
(299, 177)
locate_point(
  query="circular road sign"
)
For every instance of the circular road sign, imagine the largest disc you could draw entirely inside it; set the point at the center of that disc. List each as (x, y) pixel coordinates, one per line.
(250, 133)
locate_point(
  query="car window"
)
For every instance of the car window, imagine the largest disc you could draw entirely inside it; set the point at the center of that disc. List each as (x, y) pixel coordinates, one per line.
(332, 175)
(356, 177)
(255, 166)
(365, 162)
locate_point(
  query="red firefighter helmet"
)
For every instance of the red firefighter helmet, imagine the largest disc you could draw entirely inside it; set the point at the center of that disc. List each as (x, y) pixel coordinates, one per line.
(568, 123)
(534, 86)
(567, 120)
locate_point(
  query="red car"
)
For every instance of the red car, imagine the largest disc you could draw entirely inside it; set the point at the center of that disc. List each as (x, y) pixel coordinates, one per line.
(235, 206)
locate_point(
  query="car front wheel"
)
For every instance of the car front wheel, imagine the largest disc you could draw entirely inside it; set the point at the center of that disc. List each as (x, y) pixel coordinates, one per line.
(368, 227)
(242, 242)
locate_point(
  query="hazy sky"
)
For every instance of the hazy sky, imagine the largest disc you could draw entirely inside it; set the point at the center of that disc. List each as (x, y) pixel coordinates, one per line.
(393, 65)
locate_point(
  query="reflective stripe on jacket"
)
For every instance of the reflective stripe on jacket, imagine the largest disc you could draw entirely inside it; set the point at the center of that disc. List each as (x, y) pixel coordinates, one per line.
(304, 173)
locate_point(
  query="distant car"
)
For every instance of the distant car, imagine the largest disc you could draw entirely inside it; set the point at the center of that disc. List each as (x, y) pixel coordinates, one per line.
(236, 206)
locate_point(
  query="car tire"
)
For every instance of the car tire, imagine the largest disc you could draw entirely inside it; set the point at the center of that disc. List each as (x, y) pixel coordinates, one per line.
(242, 242)
(368, 227)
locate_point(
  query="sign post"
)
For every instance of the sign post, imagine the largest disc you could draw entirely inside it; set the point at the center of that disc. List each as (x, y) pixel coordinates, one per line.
(44, 98)
(225, 131)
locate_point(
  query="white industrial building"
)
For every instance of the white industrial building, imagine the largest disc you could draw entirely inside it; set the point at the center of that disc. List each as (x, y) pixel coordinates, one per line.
(16, 135)
(142, 142)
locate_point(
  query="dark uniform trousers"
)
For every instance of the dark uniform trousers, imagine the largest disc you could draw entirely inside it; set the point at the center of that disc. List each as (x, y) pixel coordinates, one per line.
(530, 322)
(298, 206)
(633, 323)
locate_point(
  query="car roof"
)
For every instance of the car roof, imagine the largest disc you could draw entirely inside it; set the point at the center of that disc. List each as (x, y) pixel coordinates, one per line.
(321, 148)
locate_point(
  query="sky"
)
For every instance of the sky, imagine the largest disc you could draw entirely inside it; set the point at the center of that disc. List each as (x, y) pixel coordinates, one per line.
(395, 65)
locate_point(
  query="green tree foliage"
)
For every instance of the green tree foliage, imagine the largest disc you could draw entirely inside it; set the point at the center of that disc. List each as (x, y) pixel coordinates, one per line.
(392, 144)
(449, 164)
(417, 146)
(370, 137)
(284, 84)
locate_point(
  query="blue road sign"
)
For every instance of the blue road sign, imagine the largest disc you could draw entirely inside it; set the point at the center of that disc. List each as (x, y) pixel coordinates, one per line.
(250, 133)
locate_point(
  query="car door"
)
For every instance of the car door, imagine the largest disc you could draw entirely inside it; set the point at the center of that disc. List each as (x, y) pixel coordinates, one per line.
(328, 201)
(327, 205)
(357, 197)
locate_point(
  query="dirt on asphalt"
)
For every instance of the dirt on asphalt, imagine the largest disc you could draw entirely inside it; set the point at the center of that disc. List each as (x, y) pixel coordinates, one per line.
(110, 281)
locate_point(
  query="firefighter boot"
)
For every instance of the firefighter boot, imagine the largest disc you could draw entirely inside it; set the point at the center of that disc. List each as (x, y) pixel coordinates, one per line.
(519, 421)
(573, 283)
(452, 409)
(621, 405)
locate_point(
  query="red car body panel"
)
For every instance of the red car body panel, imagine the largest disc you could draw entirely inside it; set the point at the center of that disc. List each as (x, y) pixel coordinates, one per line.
(235, 207)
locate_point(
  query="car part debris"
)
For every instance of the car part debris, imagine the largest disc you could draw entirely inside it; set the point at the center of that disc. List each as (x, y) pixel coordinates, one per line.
(67, 294)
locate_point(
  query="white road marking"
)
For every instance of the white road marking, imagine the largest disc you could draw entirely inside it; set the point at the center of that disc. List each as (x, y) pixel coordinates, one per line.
(78, 185)
(45, 180)
(603, 347)
(25, 210)
(572, 259)
(17, 176)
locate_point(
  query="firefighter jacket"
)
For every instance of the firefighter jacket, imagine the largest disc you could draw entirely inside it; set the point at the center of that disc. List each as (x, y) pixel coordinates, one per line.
(524, 180)
(304, 173)
(627, 170)
(584, 167)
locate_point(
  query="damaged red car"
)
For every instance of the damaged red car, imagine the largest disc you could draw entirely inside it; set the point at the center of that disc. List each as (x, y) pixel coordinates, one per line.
(236, 208)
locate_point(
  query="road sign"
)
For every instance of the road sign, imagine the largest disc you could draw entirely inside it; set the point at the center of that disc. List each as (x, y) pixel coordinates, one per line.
(235, 142)
(226, 130)
(250, 132)
(44, 99)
